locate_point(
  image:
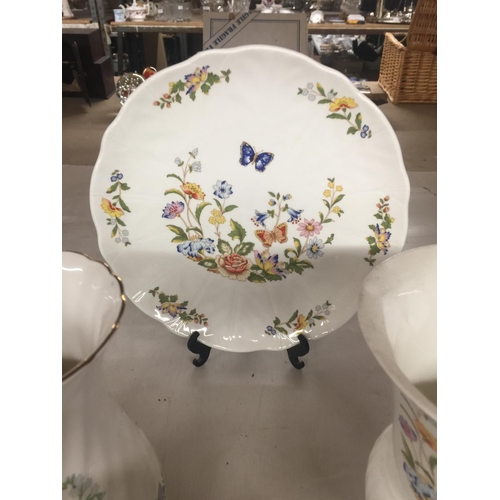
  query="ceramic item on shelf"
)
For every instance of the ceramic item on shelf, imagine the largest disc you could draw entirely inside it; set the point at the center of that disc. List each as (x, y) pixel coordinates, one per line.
(317, 17)
(104, 454)
(397, 314)
(245, 194)
(136, 12)
(119, 15)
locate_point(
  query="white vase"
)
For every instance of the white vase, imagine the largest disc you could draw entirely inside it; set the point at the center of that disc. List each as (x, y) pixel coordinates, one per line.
(398, 318)
(105, 455)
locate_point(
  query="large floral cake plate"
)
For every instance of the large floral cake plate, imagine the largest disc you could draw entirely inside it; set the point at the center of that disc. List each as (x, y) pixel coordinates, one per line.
(245, 194)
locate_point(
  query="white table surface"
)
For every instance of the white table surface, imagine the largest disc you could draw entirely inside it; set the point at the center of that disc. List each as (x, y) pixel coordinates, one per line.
(250, 426)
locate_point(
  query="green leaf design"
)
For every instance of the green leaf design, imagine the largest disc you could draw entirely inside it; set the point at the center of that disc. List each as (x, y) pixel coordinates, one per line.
(294, 316)
(351, 130)
(177, 177)
(372, 227)
(338, 199)
(208, 263)
(378, 216)
(163, 298)
(371, 240)
(237, 231)
(112, 188)
(271, 277)
(290, 251)
(305, 264)
(218, 204)
(255, 278)
(359, 120)
(175, 191)
(432, 463)
(327, 203)
(272, 194)
(124, 186)
(321, 90)
(119, 221)
(276, 321)
(123, 205)
(179, 232)
(293, 266)
(281, 330)
(113, 232)
(298, 246)
(205, 88)
(229, 208)
(224, 247)
(199, 209)
(192, 96)
(244, 248)
(162, 105)
(337, 116)
(324, 101)
(407, 453)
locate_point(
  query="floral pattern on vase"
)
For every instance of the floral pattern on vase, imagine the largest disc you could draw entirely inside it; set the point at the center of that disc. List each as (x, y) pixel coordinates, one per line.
(419, 452)
(339, 108)
(221, 244)
(82, 488)
(200, 79)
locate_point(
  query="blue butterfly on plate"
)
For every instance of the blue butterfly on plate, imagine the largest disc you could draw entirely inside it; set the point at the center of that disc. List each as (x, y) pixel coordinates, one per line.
(248, 156)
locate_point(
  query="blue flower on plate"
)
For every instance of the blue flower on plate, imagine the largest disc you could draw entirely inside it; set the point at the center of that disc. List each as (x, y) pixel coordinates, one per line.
(222, 189)
(294, 214)
(270, 330)
(314, 248)
(260, 218)
(364, 131)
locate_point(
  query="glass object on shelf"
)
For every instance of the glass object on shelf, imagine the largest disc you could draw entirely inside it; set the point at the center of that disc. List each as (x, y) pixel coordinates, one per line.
(126, 84)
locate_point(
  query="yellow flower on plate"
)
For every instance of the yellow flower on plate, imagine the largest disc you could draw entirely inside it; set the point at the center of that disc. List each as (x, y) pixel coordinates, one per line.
(327, 193)
(301, 323)
(343, 103)
(110, 209)
(339, 188)
(392, 220)
(217, 217)
(192, 189)
(336, 210)
(331, 184)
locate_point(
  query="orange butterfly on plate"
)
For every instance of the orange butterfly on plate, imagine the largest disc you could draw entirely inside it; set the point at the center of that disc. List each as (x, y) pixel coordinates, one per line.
(278, 234)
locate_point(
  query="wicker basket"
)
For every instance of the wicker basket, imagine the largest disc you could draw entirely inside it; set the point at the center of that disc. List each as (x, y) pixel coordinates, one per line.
(409, 73)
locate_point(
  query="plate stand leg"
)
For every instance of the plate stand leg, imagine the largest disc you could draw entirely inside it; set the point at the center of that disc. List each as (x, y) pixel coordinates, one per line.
(301, 349)
(198, 348)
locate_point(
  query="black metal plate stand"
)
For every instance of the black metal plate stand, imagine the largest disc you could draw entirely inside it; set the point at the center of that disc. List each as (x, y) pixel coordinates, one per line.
(301, 349)
(198, 348)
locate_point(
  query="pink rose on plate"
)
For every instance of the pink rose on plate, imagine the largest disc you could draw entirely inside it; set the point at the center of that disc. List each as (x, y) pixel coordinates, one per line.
(233, 266)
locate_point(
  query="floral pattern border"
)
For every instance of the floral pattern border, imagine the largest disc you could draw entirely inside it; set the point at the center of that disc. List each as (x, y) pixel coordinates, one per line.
(116, 212)
(339, 108)
(201, 79)
(379, 241)
(319, 313)
(170, 305)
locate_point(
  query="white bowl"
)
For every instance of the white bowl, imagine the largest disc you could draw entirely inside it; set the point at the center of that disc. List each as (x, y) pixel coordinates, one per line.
(105, 455)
